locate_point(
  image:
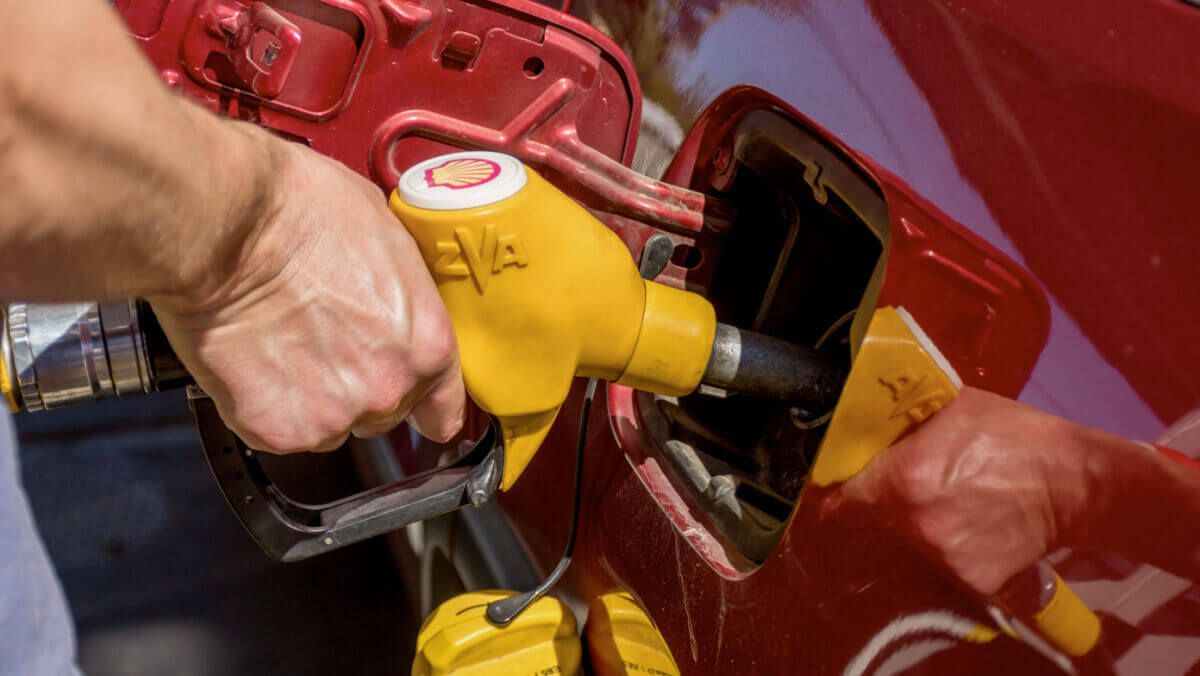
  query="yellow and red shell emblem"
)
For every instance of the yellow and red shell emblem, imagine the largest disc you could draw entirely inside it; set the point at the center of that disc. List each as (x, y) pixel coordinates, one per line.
(463, 172)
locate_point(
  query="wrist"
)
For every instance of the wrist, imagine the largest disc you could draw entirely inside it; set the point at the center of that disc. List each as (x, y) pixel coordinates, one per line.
(1086, 483)
(1125, 479)
(238, 194)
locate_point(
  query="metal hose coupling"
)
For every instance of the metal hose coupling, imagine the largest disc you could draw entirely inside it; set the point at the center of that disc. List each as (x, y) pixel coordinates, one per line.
(58, 354)
(758, 365)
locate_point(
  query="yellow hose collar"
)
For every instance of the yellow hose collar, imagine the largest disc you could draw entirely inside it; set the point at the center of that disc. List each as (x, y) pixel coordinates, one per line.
(6, 375)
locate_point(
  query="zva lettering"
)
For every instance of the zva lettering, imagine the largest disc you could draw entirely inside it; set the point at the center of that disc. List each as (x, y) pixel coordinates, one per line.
(463, 257)
(916, 396)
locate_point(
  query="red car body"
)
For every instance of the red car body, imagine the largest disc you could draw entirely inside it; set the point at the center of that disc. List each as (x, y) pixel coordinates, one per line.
(1033, 163)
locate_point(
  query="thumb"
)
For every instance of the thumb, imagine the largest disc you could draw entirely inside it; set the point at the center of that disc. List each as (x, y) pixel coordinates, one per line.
(874, 483)
(867, 491)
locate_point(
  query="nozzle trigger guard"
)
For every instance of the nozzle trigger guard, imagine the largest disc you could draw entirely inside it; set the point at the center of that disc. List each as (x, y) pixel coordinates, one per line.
(289, 530)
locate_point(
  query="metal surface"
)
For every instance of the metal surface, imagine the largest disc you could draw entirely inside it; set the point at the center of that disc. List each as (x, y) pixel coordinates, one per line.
(71, 353)
(23, 357)
(575, 118)
(439, 557)
(289, 530)
(126, 347)
(761, 366)
(59, 354)
(656, 253)
(263, 65)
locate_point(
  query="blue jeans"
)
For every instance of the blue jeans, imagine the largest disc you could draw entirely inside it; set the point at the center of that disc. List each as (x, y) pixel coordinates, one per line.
(37, 637)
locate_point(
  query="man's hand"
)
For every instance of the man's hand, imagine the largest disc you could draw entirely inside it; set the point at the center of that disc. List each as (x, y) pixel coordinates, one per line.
(991, 485)
(291, 293)
(328, 322)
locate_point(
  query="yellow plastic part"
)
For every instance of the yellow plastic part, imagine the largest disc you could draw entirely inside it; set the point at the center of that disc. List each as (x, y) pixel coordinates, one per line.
(674, 343)
(539, 291)
(981, 633)
(898, 379)
(623, 640)
(458, 639)
(6, 378)
(6, 384)
(1068, 622)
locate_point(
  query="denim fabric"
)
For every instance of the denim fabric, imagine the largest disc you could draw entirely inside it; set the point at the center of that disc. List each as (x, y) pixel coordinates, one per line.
(37, 637)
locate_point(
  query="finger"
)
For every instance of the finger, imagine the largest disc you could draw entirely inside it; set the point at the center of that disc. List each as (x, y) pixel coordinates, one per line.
(377, 425)
(439, 416)
(331, 444)
(255, 442)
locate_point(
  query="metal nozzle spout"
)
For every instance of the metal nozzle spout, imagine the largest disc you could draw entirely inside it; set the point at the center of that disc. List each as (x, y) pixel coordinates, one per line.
(752, 364)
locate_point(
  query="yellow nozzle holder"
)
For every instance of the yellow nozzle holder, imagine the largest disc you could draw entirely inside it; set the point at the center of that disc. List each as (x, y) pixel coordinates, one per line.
(539, 292)
(458, 639)
(622, 639)
(899, 379)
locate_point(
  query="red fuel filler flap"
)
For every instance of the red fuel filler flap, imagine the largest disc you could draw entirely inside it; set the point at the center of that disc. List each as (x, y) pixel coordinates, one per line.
(383, 84)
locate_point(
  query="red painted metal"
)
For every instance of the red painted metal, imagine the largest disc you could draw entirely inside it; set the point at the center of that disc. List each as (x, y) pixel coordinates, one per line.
(423, 76)
(261, 45)
(326, 45)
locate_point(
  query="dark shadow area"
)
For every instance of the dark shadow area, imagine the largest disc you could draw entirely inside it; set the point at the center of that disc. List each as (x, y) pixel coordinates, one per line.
(161, 578)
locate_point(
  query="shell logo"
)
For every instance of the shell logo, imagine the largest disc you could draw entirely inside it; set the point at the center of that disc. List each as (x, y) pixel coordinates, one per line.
(460, 173)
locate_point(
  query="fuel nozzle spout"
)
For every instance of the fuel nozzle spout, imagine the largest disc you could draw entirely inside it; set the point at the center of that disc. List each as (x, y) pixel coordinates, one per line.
(761, 366)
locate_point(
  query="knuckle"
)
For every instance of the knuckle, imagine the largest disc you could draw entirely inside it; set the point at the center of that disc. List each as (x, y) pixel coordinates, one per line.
(329, 443)
(384, 395)
(915, 481)
(316, 432)
(437, 350)
(272, 440)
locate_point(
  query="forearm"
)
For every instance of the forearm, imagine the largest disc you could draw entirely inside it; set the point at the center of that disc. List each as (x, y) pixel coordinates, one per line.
(1144, 505)
(113, 185)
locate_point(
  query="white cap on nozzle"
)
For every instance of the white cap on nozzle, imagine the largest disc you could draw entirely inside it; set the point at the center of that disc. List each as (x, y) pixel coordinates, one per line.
(462, 180)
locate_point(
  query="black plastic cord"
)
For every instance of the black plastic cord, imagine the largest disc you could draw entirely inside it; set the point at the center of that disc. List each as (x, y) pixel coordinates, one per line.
(507, 609)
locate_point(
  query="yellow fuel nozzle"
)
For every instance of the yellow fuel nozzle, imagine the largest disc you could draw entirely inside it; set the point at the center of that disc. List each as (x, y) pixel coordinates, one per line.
(539, 292)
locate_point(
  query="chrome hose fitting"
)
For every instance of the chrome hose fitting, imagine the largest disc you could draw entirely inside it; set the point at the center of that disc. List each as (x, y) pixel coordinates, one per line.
(68, 353)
